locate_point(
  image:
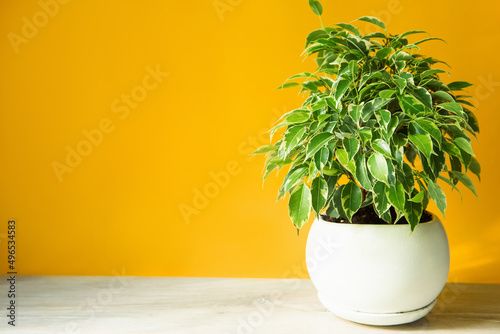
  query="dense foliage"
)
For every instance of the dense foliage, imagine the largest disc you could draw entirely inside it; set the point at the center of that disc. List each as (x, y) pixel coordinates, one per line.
(378, 127)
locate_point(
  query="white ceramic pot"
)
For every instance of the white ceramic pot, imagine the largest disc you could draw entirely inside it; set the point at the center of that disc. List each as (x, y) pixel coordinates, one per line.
(378, 274)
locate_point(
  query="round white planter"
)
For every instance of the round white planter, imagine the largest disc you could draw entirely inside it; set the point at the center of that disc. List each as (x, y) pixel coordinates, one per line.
(378, 274)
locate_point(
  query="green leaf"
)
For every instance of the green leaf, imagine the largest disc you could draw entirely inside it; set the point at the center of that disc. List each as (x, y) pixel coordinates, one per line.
(391, 127)
(383, 53)
(399, 141)
(423, 96)
(406, 75)
(406, 177)
(319, 192)
(466, 159)
(413, 213)
(332, 183)
(381, 146)
(448, 181)
(453, 107)
(297, 117)
(293, 137)
(383, 117)
(331, 102)
(365, 134)
(351, 199)
(475, 168)
(429, 39)
(350, 28)
(458, 85)
(317, 142)
(391, 175)
(323, 117)
(401, 84)
(412, 32)
(341, 88)
(358, 46)
(400, 65)
(472, 121)
(431, 72)
(437, 163)
(444, 96)
(386, 216)
(263, 149)
(338, 210)
(430, 128)
(411, 154)
(410, 105)
(373, 20)
(465, 180)
(299, 205)
(396, 195)
(291, 179)
(369, 76)
(368, 200)
(464, 145)
(351, 146)
(315, 35)
(353, 66)
(437, 195)
(401, 55)
(268, 170)
(342, 157)
(370, 107)
(288, 85)
(355, 112)
(455, 163)
(281, 162)
(333, 169)
(316, 7)
(375, 35)
(423, 143)
(285, 115)
(321, 158)
(301, 75)
(451, 149)
(387, 93)
(377, 165)
(380, 201)
(362, 173)
(418, 197)
(456, 130)
(313, 171)
(321, 103)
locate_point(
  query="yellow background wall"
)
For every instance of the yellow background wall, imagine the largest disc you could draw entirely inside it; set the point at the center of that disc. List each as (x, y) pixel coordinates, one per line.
(119, 208)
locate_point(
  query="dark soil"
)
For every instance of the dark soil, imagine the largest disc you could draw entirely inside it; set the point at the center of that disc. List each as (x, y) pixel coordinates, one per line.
(367, 215)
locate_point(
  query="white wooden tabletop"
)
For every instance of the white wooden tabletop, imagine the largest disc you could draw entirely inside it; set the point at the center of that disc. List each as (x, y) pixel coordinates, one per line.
(117, 304)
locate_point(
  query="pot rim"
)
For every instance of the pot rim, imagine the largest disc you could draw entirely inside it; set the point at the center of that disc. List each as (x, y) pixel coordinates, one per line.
(435, 219)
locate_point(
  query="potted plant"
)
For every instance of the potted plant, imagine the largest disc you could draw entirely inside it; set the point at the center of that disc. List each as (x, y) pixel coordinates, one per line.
(365, 151)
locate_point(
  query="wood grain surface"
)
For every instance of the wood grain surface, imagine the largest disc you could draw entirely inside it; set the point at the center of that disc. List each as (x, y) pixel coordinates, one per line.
(118, 304)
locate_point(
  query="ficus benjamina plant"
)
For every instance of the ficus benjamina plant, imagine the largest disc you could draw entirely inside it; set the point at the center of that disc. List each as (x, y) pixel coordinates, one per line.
(377, 128)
